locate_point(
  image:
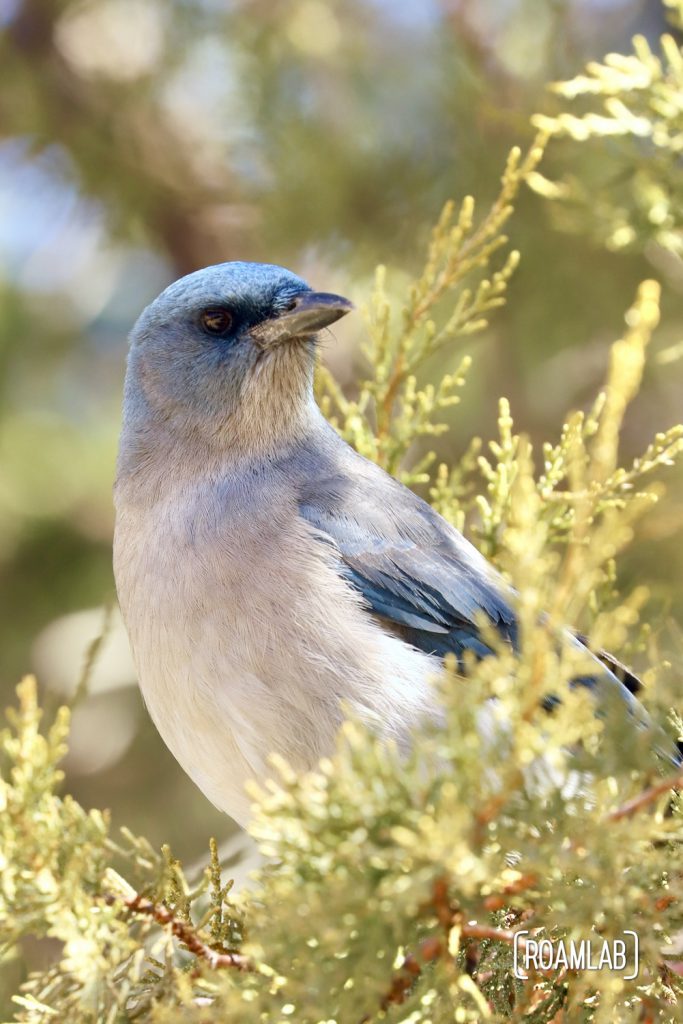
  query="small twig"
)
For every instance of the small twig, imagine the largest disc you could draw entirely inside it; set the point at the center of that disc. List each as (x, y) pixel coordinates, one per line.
(434, 948)
(647, 796)
(402, 981)
(91, 656)
(185, 933)
(398, 374)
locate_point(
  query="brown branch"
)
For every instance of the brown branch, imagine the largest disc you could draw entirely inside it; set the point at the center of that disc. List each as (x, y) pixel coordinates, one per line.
(133, 161)
(184, 932)
(434, 948)
(647, 796)
(397, 377)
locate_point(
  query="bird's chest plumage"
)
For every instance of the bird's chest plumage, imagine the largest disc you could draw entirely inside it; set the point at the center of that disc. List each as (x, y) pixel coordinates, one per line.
(200, 616)
(247, 640)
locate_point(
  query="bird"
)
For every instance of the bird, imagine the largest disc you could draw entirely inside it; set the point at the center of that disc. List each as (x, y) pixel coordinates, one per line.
(271, 579)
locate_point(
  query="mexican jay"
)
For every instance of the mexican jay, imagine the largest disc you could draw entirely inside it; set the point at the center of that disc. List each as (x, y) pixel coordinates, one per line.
(267, 573)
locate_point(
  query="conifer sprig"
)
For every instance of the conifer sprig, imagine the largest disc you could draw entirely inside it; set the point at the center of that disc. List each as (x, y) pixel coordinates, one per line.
(449, 300)
(631, 196)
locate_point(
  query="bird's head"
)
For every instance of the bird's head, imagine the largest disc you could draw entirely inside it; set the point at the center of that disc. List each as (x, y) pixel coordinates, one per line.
(229, 350)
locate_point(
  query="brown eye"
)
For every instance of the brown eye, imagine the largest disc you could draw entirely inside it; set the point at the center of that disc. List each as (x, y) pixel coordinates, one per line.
(216, 321)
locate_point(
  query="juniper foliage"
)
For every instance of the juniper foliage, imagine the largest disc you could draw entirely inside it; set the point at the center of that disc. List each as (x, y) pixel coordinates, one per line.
(626, 113)
(450, 300)
(394, 887)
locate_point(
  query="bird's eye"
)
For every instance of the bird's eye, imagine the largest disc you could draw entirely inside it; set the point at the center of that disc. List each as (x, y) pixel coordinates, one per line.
(216, 321)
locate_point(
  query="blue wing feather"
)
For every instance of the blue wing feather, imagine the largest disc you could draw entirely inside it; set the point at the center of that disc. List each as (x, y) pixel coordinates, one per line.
(417, 572)
(411, 566)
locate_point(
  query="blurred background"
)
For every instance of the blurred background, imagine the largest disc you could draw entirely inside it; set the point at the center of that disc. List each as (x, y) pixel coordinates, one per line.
(142, 139)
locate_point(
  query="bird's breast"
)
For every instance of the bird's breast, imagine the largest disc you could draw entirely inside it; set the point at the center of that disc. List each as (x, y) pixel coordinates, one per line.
(248, 642)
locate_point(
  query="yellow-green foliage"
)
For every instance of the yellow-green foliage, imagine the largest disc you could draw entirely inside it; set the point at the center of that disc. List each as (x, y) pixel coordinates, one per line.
(395, 886)
(629, 111)
(451, 299)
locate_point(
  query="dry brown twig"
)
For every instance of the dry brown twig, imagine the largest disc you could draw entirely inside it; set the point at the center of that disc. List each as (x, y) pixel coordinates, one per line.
(185, 933)
(673, 782)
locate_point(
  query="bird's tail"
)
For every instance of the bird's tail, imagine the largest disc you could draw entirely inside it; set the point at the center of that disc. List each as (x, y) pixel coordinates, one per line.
(615, 687)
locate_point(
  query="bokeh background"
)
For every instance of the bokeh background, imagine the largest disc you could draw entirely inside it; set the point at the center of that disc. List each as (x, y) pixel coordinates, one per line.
(142, 139)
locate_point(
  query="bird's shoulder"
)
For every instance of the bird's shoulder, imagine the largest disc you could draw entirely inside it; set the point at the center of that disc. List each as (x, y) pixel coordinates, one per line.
(410, 564)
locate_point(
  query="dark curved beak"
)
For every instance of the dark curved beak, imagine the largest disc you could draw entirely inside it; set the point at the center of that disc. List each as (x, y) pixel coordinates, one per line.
(308, 314)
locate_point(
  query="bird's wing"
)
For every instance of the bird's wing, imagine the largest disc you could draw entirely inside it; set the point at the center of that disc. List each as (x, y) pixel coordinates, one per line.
(412, 568)
(420, 574)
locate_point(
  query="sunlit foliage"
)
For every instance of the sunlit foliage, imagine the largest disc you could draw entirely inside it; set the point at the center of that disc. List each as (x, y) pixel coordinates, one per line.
(629, 109)
(394, 887)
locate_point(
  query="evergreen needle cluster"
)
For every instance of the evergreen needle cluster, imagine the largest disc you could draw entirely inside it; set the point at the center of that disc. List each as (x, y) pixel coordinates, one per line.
(630, 195)
(451, 299)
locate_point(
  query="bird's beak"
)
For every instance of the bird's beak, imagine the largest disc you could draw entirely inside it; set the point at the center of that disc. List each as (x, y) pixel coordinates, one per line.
(307, 314)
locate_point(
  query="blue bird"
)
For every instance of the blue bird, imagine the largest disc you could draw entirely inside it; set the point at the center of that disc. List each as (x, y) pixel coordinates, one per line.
(267, 573)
